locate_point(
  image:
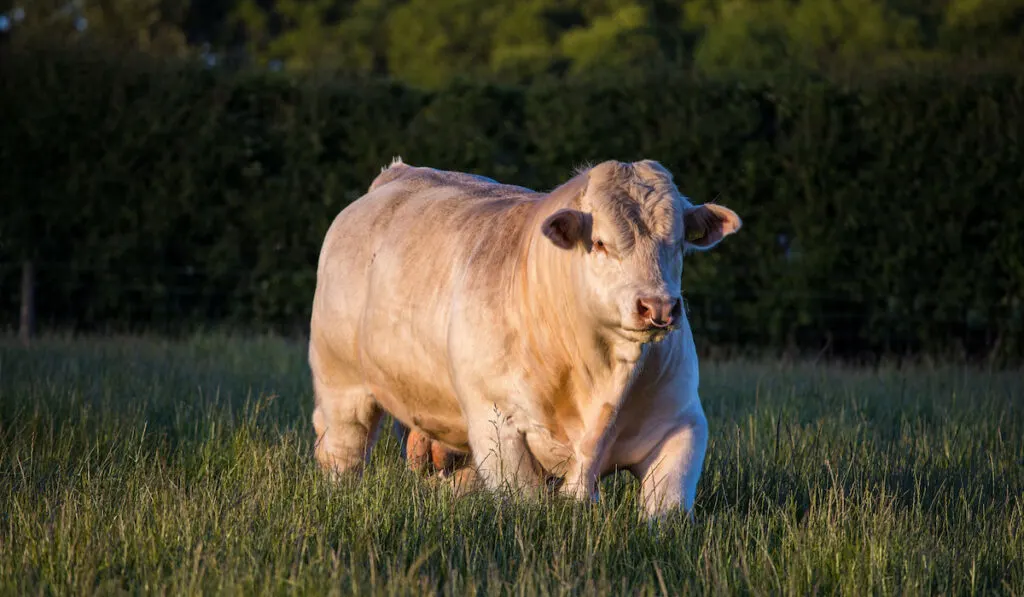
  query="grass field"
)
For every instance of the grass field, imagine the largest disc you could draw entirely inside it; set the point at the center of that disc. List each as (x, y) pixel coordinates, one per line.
(141, 465)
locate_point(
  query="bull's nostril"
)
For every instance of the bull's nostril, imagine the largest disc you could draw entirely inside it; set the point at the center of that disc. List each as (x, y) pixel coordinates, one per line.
(677, 309)
(643, 309)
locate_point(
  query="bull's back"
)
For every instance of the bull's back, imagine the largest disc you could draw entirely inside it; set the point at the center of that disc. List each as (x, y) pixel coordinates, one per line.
(390, 264)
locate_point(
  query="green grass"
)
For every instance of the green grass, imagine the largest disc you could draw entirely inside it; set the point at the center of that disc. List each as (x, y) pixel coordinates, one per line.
(142, 465)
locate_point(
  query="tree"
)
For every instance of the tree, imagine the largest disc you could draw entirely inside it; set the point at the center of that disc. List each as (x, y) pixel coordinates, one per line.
(432, 41)
(986, 29)
(619, 35)
(525, 40)
(336, 35)
(752, 35)
(150, 26)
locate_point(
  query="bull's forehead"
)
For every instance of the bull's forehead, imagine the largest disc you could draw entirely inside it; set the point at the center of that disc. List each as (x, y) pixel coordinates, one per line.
(639, 198)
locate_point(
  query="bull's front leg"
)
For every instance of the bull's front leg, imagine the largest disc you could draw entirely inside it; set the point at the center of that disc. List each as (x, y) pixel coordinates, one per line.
(582, 476)
(503, 460)
(669, 474)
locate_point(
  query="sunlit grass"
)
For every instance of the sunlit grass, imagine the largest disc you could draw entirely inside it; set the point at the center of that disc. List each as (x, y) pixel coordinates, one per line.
(143, 465)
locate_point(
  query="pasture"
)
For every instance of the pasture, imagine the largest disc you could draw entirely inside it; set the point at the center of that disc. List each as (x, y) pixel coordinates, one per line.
(144, 465)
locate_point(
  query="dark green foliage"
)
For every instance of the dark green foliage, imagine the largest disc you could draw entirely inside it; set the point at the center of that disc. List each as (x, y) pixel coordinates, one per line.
(879, 217)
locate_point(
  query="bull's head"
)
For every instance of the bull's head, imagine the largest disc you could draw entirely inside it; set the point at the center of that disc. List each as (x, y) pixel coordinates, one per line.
(629, 228)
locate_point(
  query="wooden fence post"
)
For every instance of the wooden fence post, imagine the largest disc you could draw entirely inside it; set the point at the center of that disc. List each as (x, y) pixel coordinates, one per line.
(27, 322)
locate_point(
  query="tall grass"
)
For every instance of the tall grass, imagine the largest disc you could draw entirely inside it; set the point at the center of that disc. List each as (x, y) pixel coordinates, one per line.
(146, 466)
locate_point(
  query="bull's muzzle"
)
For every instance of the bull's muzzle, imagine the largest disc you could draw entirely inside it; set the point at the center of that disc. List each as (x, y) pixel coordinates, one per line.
(659, 311)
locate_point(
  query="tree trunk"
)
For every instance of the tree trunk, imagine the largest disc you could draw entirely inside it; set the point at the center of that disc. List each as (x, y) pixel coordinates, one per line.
(27, 323)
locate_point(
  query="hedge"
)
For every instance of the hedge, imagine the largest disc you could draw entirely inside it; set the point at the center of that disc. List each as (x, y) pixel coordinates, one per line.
(882, 217)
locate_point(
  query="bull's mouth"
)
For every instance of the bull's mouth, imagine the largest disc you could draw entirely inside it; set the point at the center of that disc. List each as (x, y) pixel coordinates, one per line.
(649, 333)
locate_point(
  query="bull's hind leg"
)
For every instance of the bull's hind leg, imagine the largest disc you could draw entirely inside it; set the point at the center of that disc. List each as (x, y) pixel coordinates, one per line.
(346, 421)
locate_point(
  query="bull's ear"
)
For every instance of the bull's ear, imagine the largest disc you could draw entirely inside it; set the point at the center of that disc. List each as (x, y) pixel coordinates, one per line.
(564, 228)
(706, 225)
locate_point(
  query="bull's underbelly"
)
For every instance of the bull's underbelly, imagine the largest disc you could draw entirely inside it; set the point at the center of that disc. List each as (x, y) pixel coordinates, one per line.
(426, 411)
(408, 376)
(402, 354)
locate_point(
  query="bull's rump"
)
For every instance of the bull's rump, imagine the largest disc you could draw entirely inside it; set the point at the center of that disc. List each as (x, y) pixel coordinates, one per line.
(389, 270)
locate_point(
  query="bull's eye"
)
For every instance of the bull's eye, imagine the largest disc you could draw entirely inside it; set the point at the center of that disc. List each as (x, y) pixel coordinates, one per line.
(599, 246)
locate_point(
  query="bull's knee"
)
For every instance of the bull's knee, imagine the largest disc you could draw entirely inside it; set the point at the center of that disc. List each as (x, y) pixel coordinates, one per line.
(669, 475)
(345, 422)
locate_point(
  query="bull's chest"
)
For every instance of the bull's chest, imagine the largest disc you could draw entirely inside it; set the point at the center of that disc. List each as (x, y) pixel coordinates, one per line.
(564, 435)
(554, 455)
(568, 417)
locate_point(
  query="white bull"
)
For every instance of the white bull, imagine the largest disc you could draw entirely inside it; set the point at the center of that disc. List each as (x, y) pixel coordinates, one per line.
(541, 332)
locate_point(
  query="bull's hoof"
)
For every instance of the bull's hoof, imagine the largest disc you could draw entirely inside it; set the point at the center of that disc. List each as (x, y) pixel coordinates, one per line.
(464, 481)
(461, 481)
(341, 476)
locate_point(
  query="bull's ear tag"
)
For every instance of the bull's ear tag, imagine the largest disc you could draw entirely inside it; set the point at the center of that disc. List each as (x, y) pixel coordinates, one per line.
(708, 224)
(694, 234)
